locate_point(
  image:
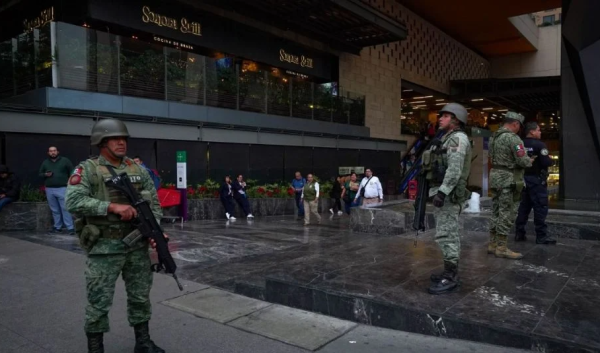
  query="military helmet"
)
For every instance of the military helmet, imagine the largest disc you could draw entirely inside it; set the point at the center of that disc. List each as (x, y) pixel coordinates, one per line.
(515, 116)
(457, 110)
(108, 128)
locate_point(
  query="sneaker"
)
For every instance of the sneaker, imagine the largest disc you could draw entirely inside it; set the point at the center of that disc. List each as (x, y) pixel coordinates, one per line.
(227, 215)
(340, 213)
(232, 218)
(250, 215)
(71, 231)
(54, 231)
(331, 210)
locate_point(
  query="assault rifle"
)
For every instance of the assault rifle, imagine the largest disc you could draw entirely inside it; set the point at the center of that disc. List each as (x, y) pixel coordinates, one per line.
(422, 194)
(146, 224)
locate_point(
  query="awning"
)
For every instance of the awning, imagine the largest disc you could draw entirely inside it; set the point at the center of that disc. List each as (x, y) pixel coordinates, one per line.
(346, 25)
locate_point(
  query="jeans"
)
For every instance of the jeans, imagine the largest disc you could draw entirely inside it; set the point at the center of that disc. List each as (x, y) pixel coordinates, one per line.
(352, 204)
(56, 201)
(5, 201)
(299, 204)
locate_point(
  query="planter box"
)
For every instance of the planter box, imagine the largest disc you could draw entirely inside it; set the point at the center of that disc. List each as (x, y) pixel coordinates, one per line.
(36, 216)
(20, 216)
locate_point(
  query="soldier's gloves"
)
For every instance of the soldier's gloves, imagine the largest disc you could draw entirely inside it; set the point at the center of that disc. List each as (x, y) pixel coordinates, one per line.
(438, 200)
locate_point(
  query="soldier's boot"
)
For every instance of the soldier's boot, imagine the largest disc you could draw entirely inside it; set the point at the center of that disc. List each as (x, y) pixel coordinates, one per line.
(143, 343)
(493, 243)
(503, 251)
(447, 282)
(95, 342)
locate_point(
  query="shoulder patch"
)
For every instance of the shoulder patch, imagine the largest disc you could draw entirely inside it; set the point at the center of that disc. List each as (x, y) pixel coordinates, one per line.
(520, 149)
(76, 176)
(544, 152)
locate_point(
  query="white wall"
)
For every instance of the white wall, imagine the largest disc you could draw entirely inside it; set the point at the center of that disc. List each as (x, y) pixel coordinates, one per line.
(543, 62)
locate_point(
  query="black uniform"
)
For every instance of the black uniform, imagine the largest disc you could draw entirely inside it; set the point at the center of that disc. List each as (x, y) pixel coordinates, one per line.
(535, 192)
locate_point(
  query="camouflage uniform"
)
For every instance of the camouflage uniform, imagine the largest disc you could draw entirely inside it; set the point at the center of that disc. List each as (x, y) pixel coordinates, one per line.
(509, 160)
(109, 256)
(447, 167)
(455, 181)
(100, 234)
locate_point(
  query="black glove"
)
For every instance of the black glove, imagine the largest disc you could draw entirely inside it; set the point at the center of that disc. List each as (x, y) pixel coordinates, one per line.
(438, 200)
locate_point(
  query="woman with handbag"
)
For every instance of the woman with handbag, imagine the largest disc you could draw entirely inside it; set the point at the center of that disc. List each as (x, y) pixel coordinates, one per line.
(349, 193)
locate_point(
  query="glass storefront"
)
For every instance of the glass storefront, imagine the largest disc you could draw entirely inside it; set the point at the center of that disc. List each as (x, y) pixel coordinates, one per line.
(91, 60)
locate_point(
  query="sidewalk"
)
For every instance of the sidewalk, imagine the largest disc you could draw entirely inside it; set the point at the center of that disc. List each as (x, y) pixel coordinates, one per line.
(42, 300)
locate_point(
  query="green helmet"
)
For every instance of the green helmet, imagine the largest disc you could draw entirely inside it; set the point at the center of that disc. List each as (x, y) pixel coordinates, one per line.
(108, 128)
(515, 116)
(457, 110)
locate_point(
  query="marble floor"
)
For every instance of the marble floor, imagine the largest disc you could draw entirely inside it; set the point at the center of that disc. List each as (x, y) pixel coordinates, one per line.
(549, 301)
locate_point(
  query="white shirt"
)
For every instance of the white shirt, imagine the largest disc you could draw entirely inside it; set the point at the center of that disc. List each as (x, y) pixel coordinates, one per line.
(372, 189)
(316, 189)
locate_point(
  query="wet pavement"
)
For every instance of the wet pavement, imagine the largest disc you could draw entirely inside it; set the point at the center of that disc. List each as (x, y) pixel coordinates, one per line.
(548, 301)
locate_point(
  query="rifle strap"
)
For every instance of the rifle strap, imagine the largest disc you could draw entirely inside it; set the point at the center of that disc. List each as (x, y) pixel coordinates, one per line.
(111, 169)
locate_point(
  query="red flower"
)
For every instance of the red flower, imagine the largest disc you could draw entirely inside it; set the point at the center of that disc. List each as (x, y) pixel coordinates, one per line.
(190, 190)
(43, 188)
(202, 189)
(216, 194)
(261, 190)
(269, 194)
(277, 191)
(291, 191)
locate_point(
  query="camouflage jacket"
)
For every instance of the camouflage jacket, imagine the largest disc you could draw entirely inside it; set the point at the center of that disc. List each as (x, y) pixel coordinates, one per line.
(509, 159)
(88, 198)
(458, 160)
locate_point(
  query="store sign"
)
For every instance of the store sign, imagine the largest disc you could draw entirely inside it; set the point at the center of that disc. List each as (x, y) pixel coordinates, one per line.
(183, 25)
(173, 43)
(350, 170)
(295, 59)
(45, 16)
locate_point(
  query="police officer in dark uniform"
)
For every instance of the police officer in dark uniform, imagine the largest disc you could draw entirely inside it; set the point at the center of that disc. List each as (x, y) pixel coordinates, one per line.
(535, 192)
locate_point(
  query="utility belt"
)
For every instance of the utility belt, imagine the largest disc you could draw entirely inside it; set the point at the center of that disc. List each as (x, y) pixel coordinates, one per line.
(518, 183)
(89, 233)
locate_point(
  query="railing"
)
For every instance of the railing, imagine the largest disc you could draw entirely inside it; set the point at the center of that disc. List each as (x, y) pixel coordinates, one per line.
(91, 60)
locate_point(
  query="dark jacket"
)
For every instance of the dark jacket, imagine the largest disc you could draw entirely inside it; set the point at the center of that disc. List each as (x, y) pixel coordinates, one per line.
(336, 191)
(9, 186)
(237, 187)
(225, 192)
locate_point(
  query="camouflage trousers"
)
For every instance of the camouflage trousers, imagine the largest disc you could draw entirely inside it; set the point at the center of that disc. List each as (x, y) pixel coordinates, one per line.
(504, 211)
(447, 231)
(101, 276)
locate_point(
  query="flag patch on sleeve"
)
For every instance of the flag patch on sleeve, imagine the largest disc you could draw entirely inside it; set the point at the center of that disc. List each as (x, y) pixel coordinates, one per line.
(520, 149)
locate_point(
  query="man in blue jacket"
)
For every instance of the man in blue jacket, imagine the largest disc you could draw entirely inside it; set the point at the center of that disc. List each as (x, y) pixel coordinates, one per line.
(298, 184)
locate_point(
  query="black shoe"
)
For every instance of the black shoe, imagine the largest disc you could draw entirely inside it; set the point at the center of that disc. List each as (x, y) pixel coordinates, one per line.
(54, 231)
(450, 274)
(520, 237)
(545, 241)
(143, 343)
(71, 231)
(446, 285)
(95, 342)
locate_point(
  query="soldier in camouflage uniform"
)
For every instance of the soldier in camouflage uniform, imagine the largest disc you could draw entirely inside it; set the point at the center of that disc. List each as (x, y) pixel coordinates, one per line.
(509, 160)
(448, 164)
(103, 219)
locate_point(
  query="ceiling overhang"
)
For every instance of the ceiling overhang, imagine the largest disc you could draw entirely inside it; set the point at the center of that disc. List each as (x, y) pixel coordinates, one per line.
(526, 95)
(344, 25)
(483, 26)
